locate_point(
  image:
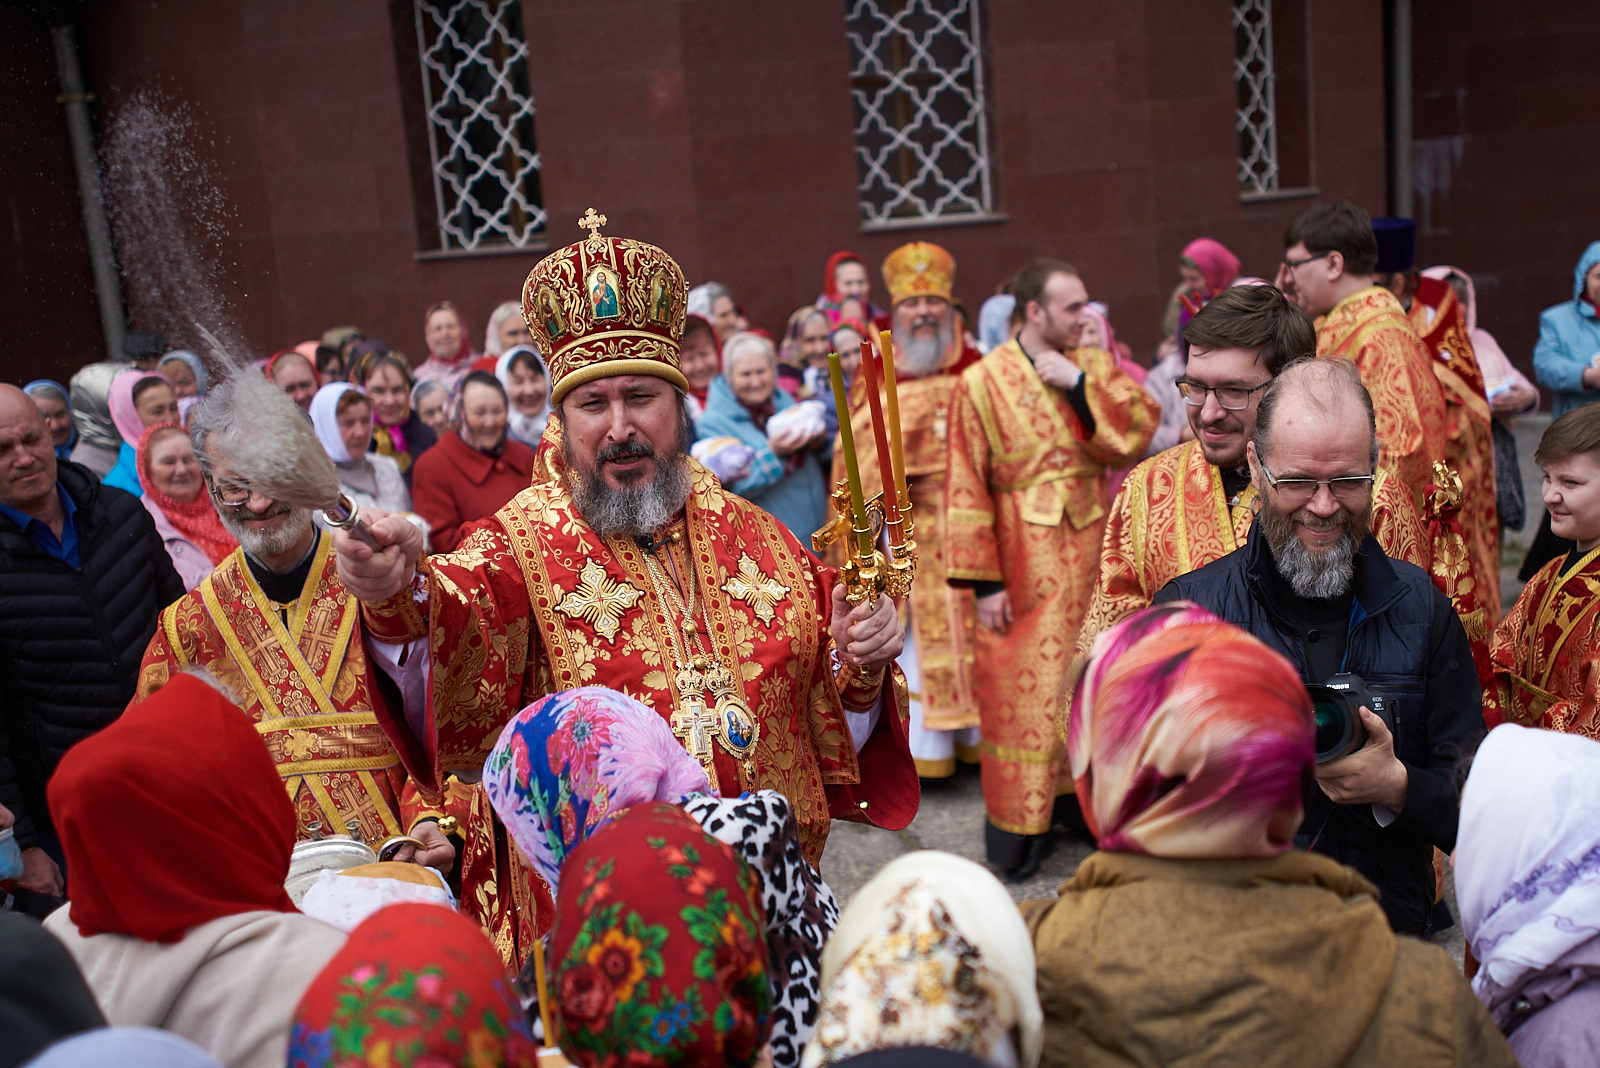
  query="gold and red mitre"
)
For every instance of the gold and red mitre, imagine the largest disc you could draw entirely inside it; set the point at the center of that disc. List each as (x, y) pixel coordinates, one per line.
(605, 306)
(919, 269)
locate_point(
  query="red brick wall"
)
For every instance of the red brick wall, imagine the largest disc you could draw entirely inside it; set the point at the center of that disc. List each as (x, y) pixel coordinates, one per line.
(721, 135)
(1507, 152)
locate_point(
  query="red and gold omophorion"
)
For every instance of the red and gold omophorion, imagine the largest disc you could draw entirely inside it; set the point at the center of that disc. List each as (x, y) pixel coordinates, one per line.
(1026, 506)
(1173, 517)
(1370, 328)
(533, 601)
(942, 620)
(307, 684)
(1546, 652)
(1469, 437)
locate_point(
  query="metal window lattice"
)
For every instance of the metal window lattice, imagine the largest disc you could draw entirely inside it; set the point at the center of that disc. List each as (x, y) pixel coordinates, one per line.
(480, 122)
(1256, 117)
(916, 79)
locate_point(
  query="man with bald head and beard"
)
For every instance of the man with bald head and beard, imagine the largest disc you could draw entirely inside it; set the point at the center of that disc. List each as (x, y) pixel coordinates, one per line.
(275, 625)
(1314, 584)
(931, 349)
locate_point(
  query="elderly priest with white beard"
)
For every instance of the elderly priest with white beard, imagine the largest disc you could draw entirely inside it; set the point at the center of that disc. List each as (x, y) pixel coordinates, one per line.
(1314, 584)
(626, 565)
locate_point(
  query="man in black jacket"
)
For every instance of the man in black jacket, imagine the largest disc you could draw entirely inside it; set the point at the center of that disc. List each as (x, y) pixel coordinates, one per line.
(1314, 584)
(83, 578)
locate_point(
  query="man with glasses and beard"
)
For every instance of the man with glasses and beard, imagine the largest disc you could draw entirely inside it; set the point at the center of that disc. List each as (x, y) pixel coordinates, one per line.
(1314, 584)
(931, 349)
(277, 627)
(1033, 427)
(626, 565)
(1194, 503)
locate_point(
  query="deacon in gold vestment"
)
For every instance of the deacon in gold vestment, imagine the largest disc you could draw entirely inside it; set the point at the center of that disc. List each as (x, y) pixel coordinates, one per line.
(1545, 653)
(1328, 267)
(1194, 503)
(931, 351)
(1033, 427)
(626, 565)
(278, 628)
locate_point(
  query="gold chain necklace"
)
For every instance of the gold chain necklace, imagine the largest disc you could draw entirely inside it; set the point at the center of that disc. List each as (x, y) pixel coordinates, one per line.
(726, 720)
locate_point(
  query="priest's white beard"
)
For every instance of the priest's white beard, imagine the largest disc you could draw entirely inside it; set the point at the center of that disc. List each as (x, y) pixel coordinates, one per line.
(262, 544)
(922, 356)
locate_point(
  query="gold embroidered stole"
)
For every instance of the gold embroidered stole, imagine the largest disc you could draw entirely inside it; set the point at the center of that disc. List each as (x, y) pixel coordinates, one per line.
(1560, 611)
(309, 656)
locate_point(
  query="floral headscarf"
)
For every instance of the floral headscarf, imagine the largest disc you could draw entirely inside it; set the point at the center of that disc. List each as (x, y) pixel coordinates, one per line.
(659, 955)
(931, 952)
(569, 762)
(1187, 738)
(801, 910)
(414, 985)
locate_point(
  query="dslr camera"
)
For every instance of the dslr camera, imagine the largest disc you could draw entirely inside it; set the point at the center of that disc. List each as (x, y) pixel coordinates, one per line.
(1335, 702)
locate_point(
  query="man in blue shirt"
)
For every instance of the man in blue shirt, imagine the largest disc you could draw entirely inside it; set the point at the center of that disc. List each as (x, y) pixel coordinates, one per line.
(83, 579)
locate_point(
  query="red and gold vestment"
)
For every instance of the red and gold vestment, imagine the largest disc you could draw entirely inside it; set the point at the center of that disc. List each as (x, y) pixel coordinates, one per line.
(307, 684)
(533, 601)
(942, 618)
(1370, 328)
(1469, 439)
(1027, 506)
(1546, 652)
(1173, 517)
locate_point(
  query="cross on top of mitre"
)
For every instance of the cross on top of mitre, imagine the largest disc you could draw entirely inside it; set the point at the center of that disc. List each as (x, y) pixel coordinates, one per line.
(592, 221)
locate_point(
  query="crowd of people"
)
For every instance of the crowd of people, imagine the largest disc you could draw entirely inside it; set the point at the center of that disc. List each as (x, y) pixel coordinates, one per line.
(545, 752)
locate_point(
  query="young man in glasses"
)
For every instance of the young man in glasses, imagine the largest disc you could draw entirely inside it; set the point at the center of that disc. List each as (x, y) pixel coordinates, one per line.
(1328, 268)
(1314, 584)
(1194, 503)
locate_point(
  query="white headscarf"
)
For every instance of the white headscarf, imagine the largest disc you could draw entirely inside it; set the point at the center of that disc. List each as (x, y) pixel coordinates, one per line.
(497, 318)
(929, 914)
(1528, 851)
(528, 429)
(325, 417)
(702, 296)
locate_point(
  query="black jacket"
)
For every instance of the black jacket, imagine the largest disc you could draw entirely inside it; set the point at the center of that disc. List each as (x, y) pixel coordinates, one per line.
(1405, 638)
(71, 641)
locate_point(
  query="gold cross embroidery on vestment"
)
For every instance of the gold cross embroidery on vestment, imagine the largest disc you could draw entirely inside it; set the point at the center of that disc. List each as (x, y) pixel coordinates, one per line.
(759, 591)
(599, 599)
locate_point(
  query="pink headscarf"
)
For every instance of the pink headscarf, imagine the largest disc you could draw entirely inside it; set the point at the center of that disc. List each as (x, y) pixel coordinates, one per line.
(120, 400)
(1188, 737)
(1217, 265)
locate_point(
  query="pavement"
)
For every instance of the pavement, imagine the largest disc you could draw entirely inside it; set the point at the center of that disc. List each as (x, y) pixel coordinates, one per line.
(951, 815)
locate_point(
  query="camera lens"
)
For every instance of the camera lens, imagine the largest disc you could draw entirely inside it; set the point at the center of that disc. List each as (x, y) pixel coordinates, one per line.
(1332, 726)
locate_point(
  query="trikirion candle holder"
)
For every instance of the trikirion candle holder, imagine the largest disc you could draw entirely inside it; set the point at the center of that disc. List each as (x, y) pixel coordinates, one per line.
(866, 577)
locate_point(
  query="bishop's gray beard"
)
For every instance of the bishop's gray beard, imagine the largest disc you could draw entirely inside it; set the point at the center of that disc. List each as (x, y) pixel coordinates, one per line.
(635, 510)
(1320, 576)
(262, 544)
(923, 355)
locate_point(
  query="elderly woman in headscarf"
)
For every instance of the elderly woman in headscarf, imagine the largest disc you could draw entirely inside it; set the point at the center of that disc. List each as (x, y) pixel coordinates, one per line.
(176, 498)
(188, 374)
(450, 354)
(785, 476)
(527, 384)
(138, 400)
(342, 417)
(295, 373)
(803, 357)
(414, 984)
(712, 302)
(1527, 864)
(431, 402)
(54, 402)
(398, 430)
(1189, 741)
(930, 954)
(178, 836)
(1207, 268)
(659, 956)
(845, 278)
(507, 329)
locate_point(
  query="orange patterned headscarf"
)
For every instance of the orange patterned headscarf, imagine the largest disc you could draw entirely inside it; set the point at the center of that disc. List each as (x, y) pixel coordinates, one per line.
(919, 269)
(1187, 738)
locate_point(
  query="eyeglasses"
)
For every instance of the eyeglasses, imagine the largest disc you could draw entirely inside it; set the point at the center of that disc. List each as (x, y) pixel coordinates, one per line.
(1295, 265)
(232, 494)
(1351, 489)
(1233, 398)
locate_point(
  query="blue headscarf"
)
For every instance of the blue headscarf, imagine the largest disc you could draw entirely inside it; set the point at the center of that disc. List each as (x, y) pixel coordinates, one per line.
(64, 450)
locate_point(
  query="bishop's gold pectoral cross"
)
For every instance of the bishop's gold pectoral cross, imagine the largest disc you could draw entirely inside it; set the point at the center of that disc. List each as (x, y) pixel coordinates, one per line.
(693, 723)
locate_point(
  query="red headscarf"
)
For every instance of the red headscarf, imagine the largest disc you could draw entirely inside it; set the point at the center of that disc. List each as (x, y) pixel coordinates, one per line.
(281, 353)
(830, 284)
(416, 983)
(465, 349)
(197, 521)
(1217, 265)
(700, 321)
(171, 817)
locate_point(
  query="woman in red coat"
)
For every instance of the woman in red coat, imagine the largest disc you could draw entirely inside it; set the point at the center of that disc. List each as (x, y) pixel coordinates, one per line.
(471, 473)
